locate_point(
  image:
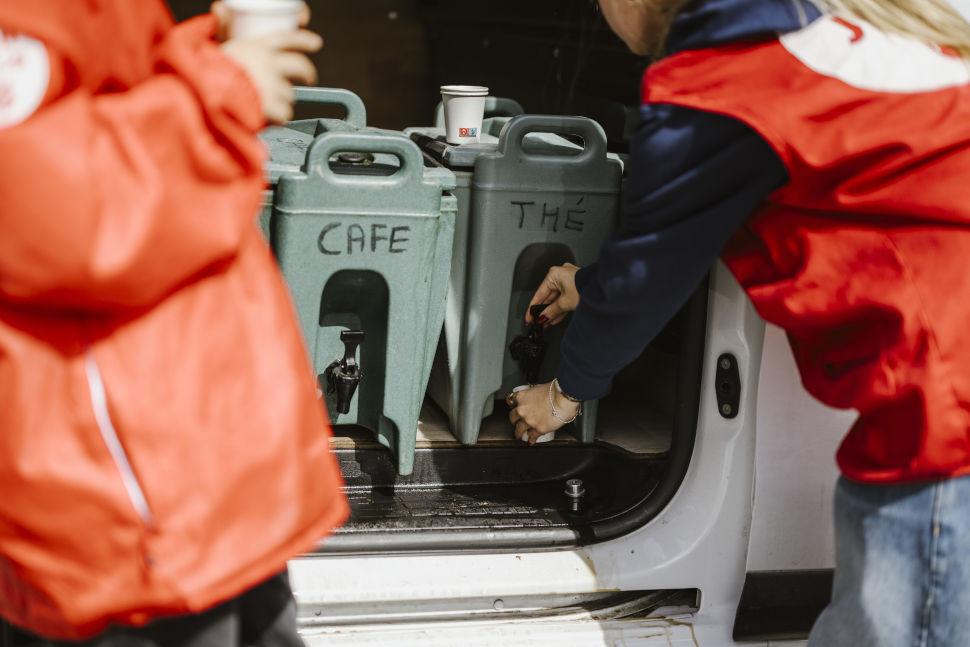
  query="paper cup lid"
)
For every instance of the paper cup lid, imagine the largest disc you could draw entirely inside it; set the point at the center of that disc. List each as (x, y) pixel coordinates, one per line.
(465, 90)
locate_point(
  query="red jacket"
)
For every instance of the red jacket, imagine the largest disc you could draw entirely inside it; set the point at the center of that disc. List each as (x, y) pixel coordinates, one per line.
(161, 445)
(863, 256)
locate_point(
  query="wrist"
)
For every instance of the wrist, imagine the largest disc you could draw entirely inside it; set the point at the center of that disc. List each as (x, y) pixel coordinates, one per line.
(563, 403)
(566, 405)
(562, 396)
(563, 410)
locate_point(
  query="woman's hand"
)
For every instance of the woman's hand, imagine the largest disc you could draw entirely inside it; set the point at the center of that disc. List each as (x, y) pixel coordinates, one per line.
(532, 415)
(274, 63)
(558, 289)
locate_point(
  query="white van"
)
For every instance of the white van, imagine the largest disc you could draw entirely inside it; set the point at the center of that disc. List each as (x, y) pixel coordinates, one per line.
(702, 515)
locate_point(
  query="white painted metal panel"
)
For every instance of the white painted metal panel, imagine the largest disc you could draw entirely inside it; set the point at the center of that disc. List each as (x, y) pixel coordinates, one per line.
(795, 470)
(561, 633)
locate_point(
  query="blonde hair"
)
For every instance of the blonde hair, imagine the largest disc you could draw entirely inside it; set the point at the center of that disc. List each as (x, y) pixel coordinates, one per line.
(660, 15)
(932, 21)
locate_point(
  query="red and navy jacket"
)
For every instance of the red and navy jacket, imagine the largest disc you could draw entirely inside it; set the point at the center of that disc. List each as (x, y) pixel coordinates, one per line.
(826, 162)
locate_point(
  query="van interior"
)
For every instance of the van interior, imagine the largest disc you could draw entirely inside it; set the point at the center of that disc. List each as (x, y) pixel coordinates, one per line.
(554, 57)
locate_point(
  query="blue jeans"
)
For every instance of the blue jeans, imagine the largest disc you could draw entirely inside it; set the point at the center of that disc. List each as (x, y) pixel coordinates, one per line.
(902, 567)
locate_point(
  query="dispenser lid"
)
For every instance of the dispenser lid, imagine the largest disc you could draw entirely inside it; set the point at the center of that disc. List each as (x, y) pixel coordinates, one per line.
(432, 141)
(287, 150)
(288, 147)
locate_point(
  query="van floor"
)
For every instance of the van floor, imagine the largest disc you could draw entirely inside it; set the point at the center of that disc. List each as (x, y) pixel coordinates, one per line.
(501, 483)
(635, 432)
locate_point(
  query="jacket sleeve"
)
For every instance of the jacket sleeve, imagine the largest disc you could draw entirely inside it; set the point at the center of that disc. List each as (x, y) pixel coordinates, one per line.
(111, 200)
(694, 179)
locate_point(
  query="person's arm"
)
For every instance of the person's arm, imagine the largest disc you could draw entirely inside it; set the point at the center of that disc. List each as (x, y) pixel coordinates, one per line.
(113, 200)
(694, 179)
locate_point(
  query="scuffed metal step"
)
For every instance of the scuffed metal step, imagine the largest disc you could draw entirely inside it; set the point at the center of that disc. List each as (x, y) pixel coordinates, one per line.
(489, 488)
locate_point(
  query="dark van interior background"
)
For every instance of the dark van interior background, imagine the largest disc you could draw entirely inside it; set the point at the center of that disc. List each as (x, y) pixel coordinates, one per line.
(553, 56)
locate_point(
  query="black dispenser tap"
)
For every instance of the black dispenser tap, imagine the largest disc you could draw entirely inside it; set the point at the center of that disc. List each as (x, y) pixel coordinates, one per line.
(529, 349)
(343, 376)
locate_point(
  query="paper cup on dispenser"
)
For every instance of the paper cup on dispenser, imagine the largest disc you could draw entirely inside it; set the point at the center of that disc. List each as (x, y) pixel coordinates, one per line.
(545, 438)
(464, 112)
(260, 17)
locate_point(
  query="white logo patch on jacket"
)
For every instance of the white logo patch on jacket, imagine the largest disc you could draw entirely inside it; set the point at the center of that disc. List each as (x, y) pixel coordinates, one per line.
(856, 53)
(24, 75)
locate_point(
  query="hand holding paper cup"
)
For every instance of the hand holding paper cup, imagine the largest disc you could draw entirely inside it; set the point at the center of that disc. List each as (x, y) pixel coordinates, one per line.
(545, 438)
(266, 41)
(464, 112)
(260, 17)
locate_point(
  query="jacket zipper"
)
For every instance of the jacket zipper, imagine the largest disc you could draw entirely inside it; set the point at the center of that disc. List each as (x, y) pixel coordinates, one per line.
(99, 402)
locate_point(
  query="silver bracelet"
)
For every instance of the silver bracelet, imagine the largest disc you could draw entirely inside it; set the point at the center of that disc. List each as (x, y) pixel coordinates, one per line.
(555, 410)
(564, 394)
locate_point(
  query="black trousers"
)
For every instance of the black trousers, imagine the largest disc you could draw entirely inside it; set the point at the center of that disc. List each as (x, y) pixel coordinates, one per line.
(264, 616)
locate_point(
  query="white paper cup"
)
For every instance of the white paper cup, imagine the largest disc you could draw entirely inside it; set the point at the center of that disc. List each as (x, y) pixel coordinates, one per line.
(545, 438)
(260, 17)
(464, 112)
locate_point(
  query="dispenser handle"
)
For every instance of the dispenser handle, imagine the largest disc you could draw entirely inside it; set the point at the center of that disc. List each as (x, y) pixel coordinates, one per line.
(536, 310)
(351, 340)
(343, 376)
(326, 145)
(511, 139)
(353, 104)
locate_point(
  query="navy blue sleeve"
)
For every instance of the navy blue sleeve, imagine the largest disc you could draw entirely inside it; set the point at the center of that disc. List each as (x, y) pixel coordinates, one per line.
(694, 179)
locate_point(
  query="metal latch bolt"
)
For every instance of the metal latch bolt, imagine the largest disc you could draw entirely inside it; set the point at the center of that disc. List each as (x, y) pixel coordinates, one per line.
(575, 488)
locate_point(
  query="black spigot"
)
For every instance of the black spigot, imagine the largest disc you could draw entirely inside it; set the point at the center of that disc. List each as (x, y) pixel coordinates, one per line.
(343, 376)
(529, 349)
